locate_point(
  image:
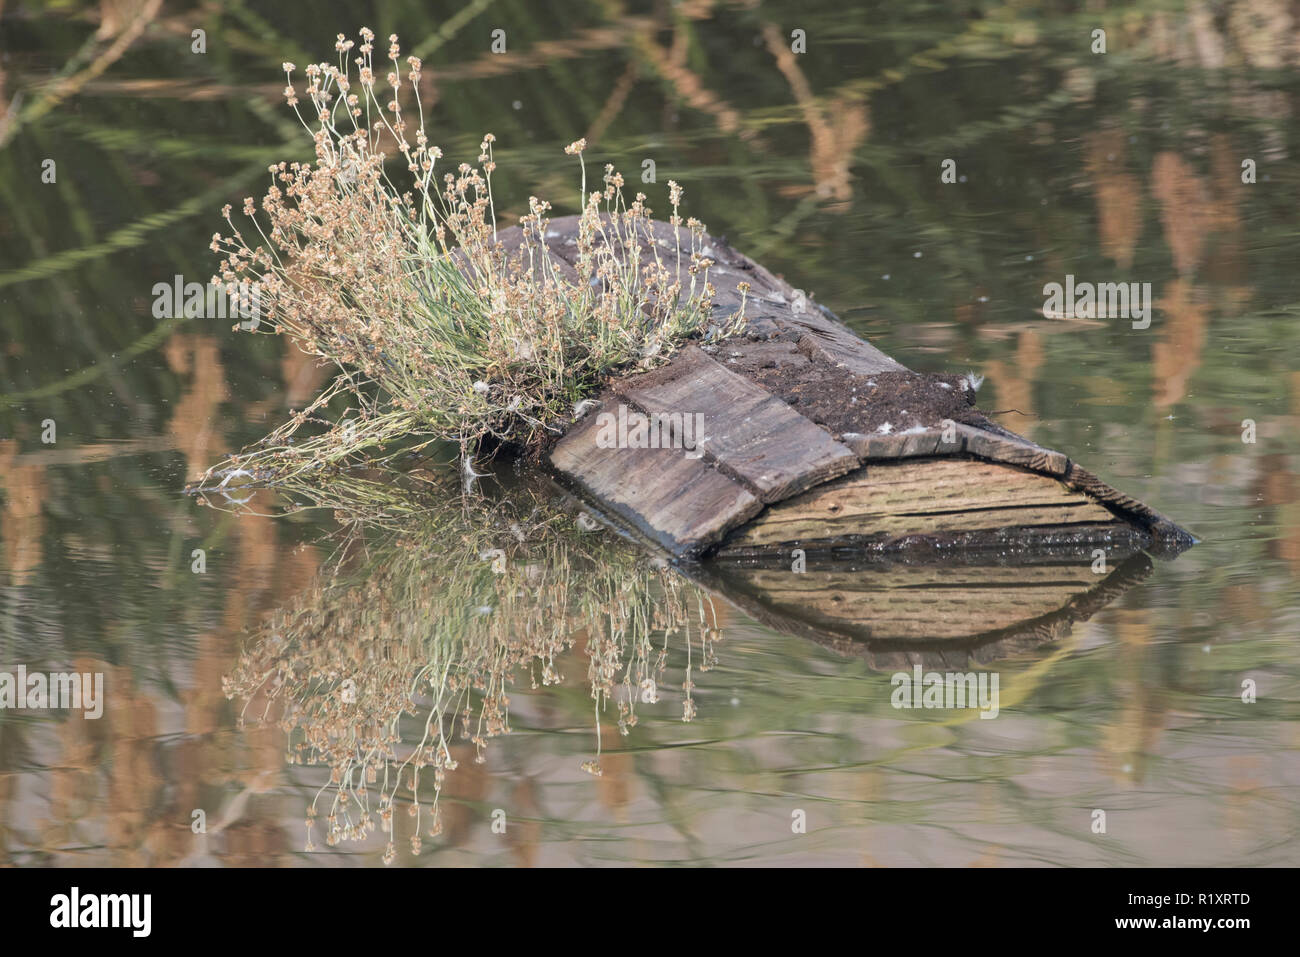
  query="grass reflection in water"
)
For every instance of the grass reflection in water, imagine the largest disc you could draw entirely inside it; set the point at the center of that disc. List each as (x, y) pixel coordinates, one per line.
(438, 621)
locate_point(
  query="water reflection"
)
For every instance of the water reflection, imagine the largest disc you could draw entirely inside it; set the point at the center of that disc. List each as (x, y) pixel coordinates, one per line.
(436, 623)
(1126, 165)
(944, 612)
(399, 663)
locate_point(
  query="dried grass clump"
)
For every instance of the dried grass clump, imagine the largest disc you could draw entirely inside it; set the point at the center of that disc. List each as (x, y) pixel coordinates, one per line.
(439, 332)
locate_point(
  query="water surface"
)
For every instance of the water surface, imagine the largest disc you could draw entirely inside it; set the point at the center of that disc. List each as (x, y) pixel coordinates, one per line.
(825, 166)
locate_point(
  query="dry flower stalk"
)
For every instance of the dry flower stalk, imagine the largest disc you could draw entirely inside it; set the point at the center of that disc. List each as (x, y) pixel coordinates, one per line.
(438, 332)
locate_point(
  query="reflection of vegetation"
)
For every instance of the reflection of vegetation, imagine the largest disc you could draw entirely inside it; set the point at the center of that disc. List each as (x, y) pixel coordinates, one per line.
(1070, 158)
(439, 622)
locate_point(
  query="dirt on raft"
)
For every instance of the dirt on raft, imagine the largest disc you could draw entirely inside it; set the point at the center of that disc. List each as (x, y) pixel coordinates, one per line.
(845, 402)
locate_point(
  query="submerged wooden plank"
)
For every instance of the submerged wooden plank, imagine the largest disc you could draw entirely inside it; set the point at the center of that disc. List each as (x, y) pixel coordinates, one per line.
(920, 602)
(747, 432)
(682, 503)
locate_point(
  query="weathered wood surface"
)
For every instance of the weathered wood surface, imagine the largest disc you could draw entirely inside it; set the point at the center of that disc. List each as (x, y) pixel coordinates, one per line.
(956, 439)
(918, 496)
(775, 468)
(687, 504)
(750, 435)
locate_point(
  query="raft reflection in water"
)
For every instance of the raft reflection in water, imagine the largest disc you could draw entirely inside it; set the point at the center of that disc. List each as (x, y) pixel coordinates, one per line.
(410, 642)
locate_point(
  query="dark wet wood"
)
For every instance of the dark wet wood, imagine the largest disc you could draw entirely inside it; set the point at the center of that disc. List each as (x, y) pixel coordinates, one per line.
(963, 474)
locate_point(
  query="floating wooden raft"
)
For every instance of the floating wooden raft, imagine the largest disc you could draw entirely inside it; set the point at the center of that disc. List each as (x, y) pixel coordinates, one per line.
(813, 437)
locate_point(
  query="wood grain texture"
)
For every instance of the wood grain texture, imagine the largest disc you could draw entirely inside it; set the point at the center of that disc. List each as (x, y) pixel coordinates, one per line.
(828, 338)
(958, 439)
(682, 504)
(919, 496)
(748, 434)
(1013, 451)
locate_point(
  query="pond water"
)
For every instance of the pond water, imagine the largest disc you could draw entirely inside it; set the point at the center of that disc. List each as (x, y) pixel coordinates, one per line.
(826, 166)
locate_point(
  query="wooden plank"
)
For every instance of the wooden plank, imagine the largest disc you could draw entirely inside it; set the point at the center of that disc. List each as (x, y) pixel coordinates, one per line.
(918, 496)
(748, 433)
(943, 485)
(1014, 451)
(843, 347)
(1169, 539)
(965, 439)
(881, 447)
(1081, 479)
(835, 343)
(780, 529)
(684, 504)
